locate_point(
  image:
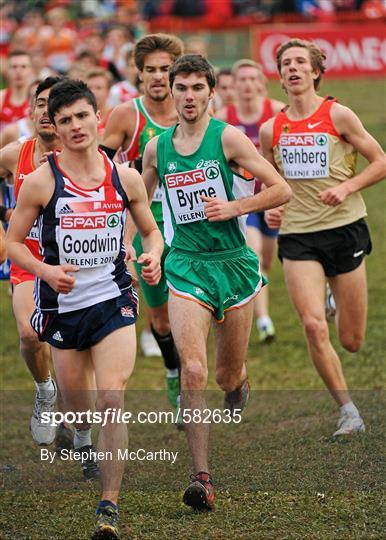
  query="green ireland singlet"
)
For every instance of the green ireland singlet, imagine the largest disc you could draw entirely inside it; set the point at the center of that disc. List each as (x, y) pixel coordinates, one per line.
(209, 262)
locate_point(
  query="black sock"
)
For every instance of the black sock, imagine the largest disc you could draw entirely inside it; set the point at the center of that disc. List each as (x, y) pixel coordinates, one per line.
(168, 349)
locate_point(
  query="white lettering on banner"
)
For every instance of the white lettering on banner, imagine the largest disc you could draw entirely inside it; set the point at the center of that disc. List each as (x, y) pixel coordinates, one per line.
(355, 53)
(304, 155)
(186, 188)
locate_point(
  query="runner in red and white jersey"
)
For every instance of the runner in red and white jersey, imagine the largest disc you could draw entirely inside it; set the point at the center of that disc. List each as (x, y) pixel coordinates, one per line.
(99, 82)
(17, 160)
(14, 100)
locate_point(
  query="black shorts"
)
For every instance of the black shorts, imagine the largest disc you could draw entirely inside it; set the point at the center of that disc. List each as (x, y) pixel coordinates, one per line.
(83, 328)
(338, 250)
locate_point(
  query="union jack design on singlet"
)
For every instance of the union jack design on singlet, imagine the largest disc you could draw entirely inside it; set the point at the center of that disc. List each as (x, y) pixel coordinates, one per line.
(84, 227)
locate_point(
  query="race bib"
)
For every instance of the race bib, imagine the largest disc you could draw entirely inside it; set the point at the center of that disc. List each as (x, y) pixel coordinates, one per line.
(89, 240)
(304, 155)
(185, 190)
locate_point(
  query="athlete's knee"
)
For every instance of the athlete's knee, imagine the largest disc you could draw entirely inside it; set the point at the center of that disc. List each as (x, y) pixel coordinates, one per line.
(352, 341)
(316, 329)
(194, 375)
(28, 338)
(110, 400)
(160, 323)
(227, 378)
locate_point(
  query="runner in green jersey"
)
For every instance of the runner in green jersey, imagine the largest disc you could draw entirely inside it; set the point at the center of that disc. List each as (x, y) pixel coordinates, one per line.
(130, 127)
(209, 268)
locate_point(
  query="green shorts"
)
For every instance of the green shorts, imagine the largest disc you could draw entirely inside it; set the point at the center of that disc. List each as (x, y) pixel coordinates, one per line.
(155, 295)
(219, 281)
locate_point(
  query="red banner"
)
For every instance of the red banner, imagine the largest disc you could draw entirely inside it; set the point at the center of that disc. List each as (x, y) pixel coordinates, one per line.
(351, 49)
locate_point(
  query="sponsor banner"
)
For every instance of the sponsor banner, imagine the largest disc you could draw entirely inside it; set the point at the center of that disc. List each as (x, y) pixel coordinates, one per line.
(351, 49)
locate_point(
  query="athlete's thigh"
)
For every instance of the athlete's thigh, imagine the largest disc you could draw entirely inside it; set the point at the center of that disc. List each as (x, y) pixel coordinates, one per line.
(306, 284)
(74, 374)
(23, 303)
(350, 294)
(190, 323)
(232, 336)
(255, 240)
(113, 358)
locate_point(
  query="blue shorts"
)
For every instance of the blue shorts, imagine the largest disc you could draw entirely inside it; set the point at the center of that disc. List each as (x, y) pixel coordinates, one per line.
(256, 220)
(83, 328)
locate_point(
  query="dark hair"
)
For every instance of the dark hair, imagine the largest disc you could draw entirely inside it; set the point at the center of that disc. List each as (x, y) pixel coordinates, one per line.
(48, 82)
(223, 71)
(19, 52)
(65, 93)
(192, 63)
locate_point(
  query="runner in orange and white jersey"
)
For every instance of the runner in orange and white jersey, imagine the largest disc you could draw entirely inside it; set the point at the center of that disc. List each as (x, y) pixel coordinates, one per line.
(17, 160)
(314, 143)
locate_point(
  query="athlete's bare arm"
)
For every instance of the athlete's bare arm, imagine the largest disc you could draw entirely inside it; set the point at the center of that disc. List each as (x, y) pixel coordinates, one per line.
(273, 216)
(9, 134)
(152, 241)
(9, 156)
(149, 172)
(351, 129)
(241, 153)
(120, 127)
(35, 193)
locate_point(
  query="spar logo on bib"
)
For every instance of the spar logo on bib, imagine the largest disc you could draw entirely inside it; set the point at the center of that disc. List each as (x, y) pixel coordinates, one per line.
(113, 220)
(186, 188)
(304, 155)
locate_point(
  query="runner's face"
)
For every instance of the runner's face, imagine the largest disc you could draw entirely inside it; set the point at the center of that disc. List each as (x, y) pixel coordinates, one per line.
(155, 75)
(225, 88)
(191, 96)
(40, 118)
(19, 72)
(248, 83)
(77, 125)
(296, 72)
(100, 88)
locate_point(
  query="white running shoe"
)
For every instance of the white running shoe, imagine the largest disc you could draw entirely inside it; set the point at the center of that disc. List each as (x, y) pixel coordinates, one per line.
(43, 434)
(347, 425)
(148, 344)
(330, 306)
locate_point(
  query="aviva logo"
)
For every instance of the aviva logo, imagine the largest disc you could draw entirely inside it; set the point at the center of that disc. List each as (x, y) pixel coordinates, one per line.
(113, 220)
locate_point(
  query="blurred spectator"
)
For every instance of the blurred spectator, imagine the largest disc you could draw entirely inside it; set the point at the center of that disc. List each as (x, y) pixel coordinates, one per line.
(59, 44)
(118, 42)
(128, 15)
(99, 82)
(14, 102)
(187, 8)
(225, 89)
(127, 89)
(95, 43)
(24, 127)
(7, 27)
(196, 45)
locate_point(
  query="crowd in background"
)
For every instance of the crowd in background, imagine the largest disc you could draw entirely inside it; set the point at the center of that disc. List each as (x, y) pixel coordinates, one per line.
(59, 32)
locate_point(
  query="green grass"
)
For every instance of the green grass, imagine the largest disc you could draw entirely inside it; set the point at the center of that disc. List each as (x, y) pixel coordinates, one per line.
(278, 474)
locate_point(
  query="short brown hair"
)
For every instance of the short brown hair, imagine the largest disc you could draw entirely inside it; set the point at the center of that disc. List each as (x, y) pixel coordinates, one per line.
(157, 42)
(99, 72)
(193, 63)
(246, 62)
(317, 56)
